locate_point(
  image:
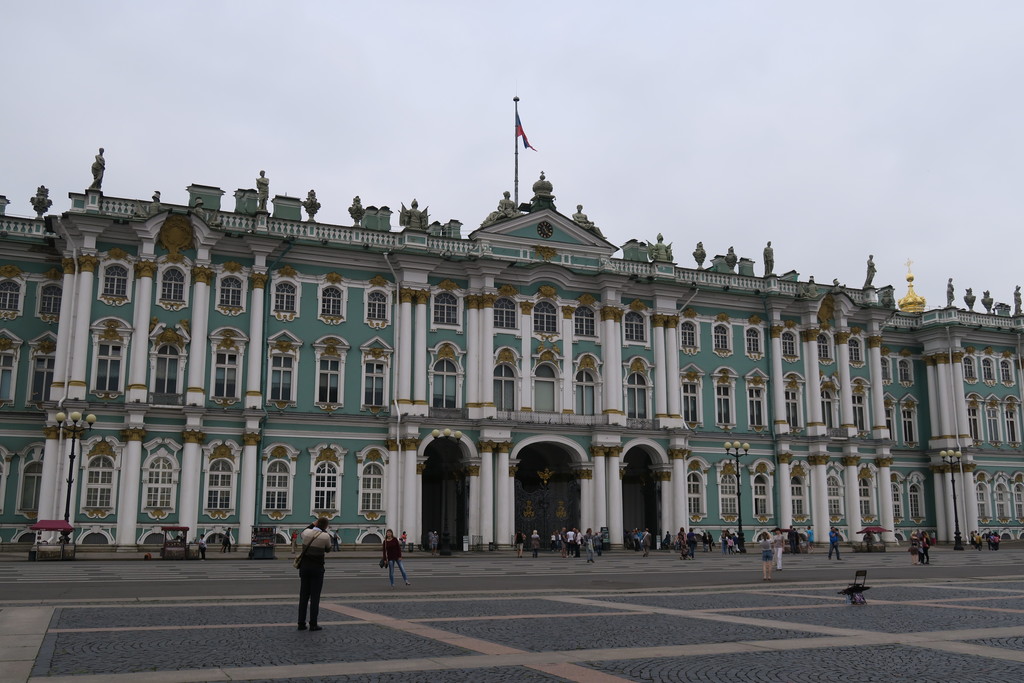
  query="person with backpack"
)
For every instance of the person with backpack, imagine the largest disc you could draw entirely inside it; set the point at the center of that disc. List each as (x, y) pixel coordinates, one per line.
(202, 548)
(926, 543)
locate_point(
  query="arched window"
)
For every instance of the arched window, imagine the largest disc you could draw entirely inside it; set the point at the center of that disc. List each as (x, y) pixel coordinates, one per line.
(544, 389)
(446, 309)
(10, 295)
(797, 494)
(505, 314)
(753, 338)
(172, 285)
(727, 494)
(165, 378)
(325, 488)
(445, 380)
(761, 495)
(330, 302)
(856, 353)
(824, 347)
(636, 396)
(231, 292)
(1005, 372)
(835, 496)
(99, 483)
(284, 297)
(1002, 500)
(970, 370)
(634, 326)
(583, 322)
(688, 334)
(915, 501)
(897, 500)
(586, 386)
(377, 306)
(545, 318)
(218, 485)
(49, 300)
(371, 498)
(694, 494)
(31, 478)
(788, 344)
(720, 336)
(159, 483)
(504, 388)
(278, 475)
(988, 373)
(115, 281)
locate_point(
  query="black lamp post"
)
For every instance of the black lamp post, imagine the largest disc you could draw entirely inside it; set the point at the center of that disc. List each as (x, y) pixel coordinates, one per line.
(446, 538)
(952, 458)
(733, 449)
(74, 426)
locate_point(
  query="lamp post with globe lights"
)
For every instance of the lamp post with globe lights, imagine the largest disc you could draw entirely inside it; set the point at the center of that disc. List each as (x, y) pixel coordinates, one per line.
(733, 448)
(74, 426)
(953, 459)
(446, 539)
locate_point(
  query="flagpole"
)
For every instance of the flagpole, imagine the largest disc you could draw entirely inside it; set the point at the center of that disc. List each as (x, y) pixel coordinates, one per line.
(515, 144)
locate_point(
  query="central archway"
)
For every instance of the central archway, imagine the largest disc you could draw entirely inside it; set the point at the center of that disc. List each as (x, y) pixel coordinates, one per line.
(445, 507)
(547, 490)
(640, 499)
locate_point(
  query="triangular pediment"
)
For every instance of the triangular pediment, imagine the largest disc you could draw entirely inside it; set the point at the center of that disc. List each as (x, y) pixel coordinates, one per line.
(546, 229)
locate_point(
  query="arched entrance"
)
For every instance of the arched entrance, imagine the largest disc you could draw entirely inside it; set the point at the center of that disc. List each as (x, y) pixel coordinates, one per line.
(445, 494)
(547, 490)
(640, 495)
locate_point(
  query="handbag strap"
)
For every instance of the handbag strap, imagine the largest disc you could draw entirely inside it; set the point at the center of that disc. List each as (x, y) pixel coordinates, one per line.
(305, 546)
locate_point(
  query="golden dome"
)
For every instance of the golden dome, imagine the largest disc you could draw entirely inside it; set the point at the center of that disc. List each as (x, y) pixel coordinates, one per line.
(912, 302)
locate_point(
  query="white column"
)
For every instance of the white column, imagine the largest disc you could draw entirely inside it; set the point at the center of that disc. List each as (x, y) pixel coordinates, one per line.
(611, 370)
(845, 388)
(128, 496)
(526, 351)
(419, 376)
(138, 390)
(947, 495)
(819, 498)
(415, 521)
(247, 487)
(65, 332)
(505, 502)
(409, 480)
(472, 387)
(404, 389)
(960, 404)
(475, 496)
(191, 468)
(778, 384)
(486, 355)
(600, 486)
(940, 482)
(201, 276)
(815, 423)
(680, 514)
(49, 483)
(852, 497)
(487, 492)
(878, 429)
(586, 499)
(614, 497)
(934, 418)
(970, 498)
(83, 320)
(671, 374)
(568, 375)
(945, 405)
(783, 483)
(884, 485)
(660, 388)
(393, 505)
(254, 363)
(668, 501)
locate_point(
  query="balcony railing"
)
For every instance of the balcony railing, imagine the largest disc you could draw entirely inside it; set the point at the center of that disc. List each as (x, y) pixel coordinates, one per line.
(551, 418)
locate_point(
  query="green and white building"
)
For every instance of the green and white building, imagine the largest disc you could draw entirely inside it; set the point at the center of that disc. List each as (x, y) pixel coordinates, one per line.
(251, 368)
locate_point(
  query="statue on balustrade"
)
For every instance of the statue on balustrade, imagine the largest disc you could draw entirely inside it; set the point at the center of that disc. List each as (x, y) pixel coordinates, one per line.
(311, 205)
(969, 299)
(42, 202)
(413, 218)
(581, 220)
(731, 259)
(506, 209)
(949, 292)
(660, 251)
(1016, 301)
(769, 260)
(98, 168)
(356, 211)
(986, 301)
(871, 271)
(699, 255)
(262, 191)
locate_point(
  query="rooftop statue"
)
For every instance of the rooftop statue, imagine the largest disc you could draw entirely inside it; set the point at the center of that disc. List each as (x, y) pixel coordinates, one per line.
(581, 220)
(730, 259)
(949, 292)
(151, 209)
(356, 211)
(969, 299)
(836, 287)
(42, 202)
(262, 191)
(699, 255)
(871, 271)
(311, 205)
(506, 209)
(98, 167)
(660, 251)
(986, 301)
(413, 217)
(1016, 301)
(769, 260)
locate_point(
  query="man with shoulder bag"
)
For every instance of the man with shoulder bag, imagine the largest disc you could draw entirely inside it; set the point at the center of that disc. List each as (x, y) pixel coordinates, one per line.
(316, 543)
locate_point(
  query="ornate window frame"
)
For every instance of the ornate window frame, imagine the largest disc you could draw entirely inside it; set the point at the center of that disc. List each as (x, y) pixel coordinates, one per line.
(505, 311)
(589, 363)
(692, 375)
(634, 328)
(48, 316)
(32, 456)
(227, 340)
(286, 275)
(753, 342)
(446, 352)
(10, 361)
(689, 346)
(509, 359)
(375, 351)
(281, 346)
(162, 336)
(321, 456)
(372, 457)
(288, 455)
(544, 319)
(93, 452)
(378, 287)
(725, 378)
(721, 339)
(554, 380)
(439, 295)
(234, 270)
(184, 267)
(216, 453)
(111, 296)
(331, 282)
(584, 323)
(155, 450)
(110, 332)
(637, 367)
(330, 348)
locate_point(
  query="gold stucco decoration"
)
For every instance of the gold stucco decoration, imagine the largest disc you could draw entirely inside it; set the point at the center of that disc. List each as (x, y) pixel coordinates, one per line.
(754, 320)
(508, 290)
(333, 278)
(117, 253)
(283, 345)
(546, 253)
(587, 300)
(637, 366)
(232, 267)
(169, 336)
(10, 270)
(222, 451)
(447, 285)
(287, 271)
(111, 330)
(176, 235)
(637, 305)
(722, 317)
(547, 291)
(506, 356)
(227, 340)
(690, 313)
(447, 351)
(378, 281)
(587, 363)
(546, 356)
(102, 448)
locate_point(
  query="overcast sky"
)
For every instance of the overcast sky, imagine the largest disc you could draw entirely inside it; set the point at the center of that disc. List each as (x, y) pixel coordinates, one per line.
(834, 129)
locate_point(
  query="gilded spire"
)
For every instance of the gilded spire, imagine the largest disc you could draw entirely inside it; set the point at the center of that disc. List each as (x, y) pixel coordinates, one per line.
(912, 302)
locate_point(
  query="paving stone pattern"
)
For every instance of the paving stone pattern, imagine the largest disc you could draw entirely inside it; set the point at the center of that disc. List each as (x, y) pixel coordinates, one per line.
(580, 633)
(135, 651)
(724, 600)
(441, 609)
(203, 615)
(894, 618)
(846, 664)
(513, 674)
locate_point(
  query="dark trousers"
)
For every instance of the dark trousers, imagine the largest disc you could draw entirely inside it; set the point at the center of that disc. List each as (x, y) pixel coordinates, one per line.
(311, 583)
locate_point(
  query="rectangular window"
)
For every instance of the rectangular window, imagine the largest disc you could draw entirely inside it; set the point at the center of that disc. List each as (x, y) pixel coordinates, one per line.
(330, 380)
(909, 434)
(98, 487)
(281, 370)
(42, 377)
(897, 501)
(7, 376)
(890, 422)
(690, 404)
(859, 420)
(760, 498)
(728, 494)
(373, 393)
(755, 406)
(793, 409)
(797, 493)
(1011, 424)
(108, 368)
(992, 424)
(225, 375)
(693, 496)
(723, 404)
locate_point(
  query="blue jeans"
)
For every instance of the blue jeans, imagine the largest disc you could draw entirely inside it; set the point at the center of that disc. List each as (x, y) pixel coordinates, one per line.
(831, 547)
(391, 571)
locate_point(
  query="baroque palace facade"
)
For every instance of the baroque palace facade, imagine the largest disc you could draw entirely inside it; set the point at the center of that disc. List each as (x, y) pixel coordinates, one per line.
(251, 368)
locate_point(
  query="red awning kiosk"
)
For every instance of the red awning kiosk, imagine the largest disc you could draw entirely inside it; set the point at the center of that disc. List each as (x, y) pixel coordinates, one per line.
(63, 548)
(175, 543)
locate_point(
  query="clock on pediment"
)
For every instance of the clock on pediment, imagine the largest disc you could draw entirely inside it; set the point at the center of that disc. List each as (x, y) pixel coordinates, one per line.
(545, 229)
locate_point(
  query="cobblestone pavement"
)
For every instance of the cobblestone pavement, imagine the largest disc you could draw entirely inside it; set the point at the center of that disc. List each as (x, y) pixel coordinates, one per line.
(932, 630)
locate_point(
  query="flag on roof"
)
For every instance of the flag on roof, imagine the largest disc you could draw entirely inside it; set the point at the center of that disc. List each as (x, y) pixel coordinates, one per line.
(520, 133)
